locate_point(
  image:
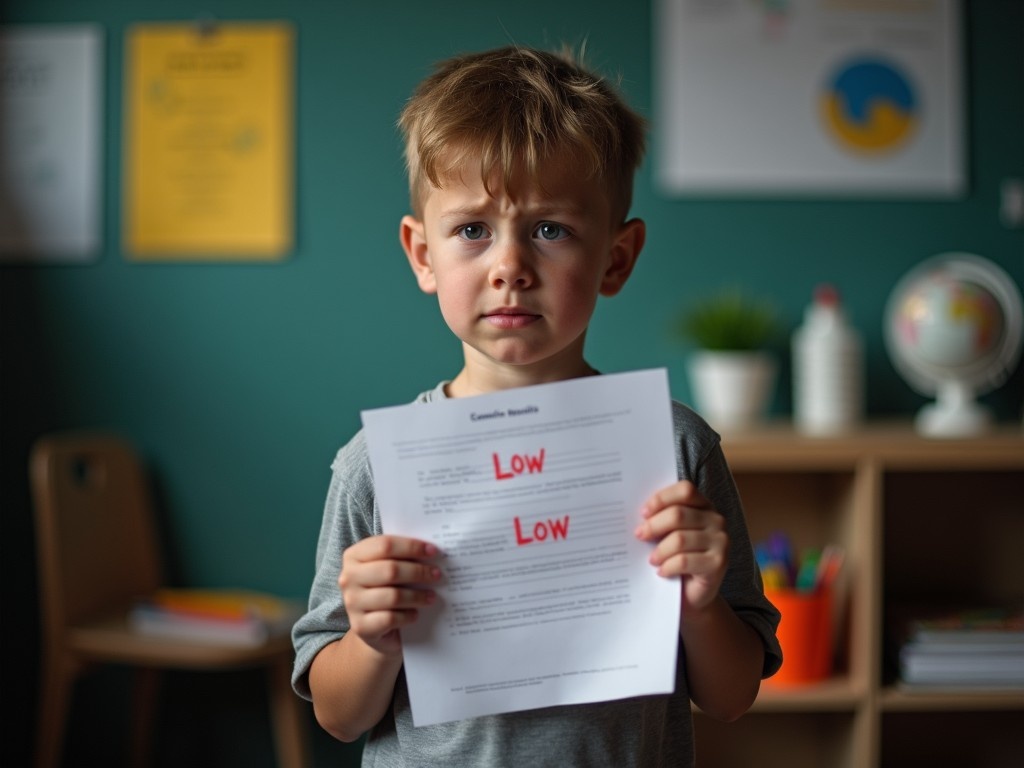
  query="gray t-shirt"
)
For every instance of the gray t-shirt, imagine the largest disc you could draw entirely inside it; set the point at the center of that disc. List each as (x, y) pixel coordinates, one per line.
(646, 732)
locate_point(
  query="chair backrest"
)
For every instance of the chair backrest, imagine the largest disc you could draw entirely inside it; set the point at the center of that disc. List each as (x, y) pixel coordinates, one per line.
(97, 542)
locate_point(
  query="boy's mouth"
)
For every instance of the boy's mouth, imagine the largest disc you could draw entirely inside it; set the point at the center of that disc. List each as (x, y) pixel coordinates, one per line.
(511, 317)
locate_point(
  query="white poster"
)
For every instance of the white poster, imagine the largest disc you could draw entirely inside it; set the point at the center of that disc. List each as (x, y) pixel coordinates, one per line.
(799, 97)
(51, 110)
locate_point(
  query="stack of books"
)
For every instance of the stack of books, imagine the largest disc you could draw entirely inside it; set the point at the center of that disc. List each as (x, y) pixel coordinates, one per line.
(968, 649)
(223, 616)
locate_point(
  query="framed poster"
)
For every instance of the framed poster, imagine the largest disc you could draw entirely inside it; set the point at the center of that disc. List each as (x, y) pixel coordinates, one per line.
(208, 151)
(809, 97)
(51, 150)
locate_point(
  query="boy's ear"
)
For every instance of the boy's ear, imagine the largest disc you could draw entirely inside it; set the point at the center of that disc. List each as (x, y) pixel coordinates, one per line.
(414, 242)
(626, 247)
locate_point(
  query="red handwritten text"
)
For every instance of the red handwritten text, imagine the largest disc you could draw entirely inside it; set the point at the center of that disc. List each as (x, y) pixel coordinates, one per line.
(556, 529)
(518, 465)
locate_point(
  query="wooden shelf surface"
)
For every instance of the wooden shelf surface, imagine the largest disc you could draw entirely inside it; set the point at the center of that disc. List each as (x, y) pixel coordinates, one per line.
(894, 444)
(897, 699)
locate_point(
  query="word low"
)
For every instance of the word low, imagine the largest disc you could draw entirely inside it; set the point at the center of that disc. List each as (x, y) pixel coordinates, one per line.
(518, 465)
(556, 529)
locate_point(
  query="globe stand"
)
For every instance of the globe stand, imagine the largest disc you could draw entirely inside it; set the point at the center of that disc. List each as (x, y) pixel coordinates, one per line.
(955, 413)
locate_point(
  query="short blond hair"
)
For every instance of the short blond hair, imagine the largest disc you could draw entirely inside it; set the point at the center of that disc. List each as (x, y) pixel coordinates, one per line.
(514, 108)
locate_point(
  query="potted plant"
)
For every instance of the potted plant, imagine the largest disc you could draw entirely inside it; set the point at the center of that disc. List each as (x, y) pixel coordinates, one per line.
(734, 366)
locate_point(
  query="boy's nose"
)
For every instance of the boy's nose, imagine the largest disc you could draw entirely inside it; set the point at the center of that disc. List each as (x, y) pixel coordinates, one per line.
(511, 267)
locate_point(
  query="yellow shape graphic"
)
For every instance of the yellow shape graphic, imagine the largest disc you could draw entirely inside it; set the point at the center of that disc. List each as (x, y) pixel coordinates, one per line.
(885, 130)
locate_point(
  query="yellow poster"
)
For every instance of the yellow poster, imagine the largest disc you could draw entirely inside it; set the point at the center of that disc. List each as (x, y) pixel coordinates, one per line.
(208, 141)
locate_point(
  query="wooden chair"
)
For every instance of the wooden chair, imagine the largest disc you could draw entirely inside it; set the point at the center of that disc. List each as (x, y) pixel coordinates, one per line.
(98, 553)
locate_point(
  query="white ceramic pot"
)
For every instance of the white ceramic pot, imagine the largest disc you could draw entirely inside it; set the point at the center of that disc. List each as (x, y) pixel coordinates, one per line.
(732, 390)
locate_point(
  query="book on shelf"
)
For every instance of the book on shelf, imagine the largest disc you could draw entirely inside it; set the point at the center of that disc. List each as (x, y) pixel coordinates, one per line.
(970, 626)
(224, 616)
(1005, 668)
(978, 648)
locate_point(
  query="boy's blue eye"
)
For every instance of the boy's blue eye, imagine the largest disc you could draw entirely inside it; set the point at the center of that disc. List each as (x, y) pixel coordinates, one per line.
(473, 231)
(549, 230)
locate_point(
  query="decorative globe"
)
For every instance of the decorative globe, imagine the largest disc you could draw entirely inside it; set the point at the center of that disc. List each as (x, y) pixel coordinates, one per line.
(953, 330)
(947, 323)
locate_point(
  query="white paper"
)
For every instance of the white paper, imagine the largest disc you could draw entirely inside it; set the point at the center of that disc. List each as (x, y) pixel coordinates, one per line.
(50, 141)
(801, 97)
(533, 495)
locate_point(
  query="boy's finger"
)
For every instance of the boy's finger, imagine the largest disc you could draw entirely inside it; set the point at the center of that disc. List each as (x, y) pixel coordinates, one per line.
(393, 548)
(381, 622)
(683, 493)
(395, 599)
(677, 518)
(382, 573)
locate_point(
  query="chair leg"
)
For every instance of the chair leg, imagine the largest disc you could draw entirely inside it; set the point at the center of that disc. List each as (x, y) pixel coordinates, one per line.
(290, 732)
(57, 682)
(145, 692)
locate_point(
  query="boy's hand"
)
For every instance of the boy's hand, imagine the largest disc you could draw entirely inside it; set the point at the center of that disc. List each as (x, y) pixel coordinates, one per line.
(382, 585)
(692, 542)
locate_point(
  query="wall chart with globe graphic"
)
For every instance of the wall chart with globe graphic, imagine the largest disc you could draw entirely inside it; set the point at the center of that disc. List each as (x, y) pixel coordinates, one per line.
(803, 96)
(870, 105)
(953, 331)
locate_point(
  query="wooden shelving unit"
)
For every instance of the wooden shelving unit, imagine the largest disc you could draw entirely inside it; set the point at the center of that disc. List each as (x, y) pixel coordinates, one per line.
(923, 521)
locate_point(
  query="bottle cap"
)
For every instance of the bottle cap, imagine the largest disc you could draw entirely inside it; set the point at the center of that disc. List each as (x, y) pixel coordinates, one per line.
(826, 295)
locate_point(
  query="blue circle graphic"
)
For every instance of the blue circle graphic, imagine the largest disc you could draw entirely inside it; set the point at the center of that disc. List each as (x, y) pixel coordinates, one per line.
(870, 106)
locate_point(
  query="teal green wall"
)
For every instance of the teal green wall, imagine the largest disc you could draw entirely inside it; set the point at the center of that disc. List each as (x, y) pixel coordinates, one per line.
(240, 381)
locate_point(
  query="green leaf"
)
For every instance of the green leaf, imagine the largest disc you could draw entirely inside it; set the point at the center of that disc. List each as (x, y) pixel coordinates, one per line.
(730, 321)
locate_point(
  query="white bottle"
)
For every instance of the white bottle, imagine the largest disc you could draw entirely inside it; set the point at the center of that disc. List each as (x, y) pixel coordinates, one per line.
(828, 368)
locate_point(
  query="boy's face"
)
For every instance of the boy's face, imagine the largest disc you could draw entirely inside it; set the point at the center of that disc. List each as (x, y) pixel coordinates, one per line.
(517, 275)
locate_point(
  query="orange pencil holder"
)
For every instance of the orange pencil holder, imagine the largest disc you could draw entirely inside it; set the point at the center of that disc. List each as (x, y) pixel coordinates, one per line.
(805, 634)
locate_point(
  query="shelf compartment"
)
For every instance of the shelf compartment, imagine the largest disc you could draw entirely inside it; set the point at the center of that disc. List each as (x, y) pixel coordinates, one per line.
(989, 739)
(961, 545)
(960, 548)
(815, 508)
(810, 740)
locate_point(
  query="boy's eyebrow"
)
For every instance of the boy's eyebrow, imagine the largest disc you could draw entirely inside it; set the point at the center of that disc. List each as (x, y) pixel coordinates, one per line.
(458, 211)
(553, 206)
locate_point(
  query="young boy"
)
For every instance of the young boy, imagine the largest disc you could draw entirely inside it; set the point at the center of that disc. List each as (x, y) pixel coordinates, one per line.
(521, 169)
